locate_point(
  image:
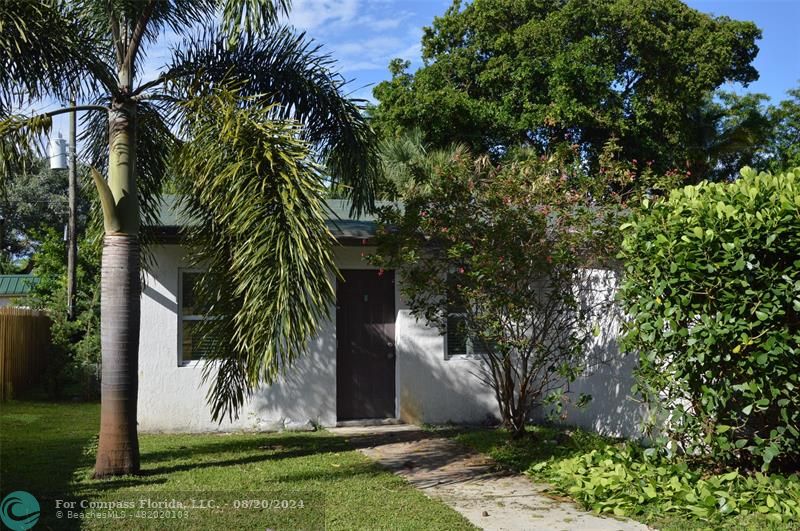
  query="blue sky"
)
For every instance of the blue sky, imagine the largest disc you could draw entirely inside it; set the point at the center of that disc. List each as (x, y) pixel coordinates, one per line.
(364, 35)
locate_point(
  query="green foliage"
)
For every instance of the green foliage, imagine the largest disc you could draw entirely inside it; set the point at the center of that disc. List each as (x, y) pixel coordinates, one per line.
(43, 50)
(35, 199)
(785, 146)
(503, 247)
(92, 50)
(298, 79)
(627, 480)
(622, 478)
(255, 201)
(732, 131)
(501, 74)
(74, 359)
(407, 164)
(540, 444)
(712, 291)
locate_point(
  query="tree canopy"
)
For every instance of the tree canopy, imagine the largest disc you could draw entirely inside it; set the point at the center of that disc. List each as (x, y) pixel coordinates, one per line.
(501, 74)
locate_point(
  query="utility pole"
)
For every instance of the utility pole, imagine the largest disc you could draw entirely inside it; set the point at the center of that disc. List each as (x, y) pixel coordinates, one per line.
(72, 225)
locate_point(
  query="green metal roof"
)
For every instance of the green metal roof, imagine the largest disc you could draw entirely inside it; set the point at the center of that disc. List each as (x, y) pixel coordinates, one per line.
(11, 285)
(341, 224)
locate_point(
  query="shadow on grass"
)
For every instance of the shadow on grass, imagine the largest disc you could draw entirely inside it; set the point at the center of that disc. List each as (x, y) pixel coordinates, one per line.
(44, 444)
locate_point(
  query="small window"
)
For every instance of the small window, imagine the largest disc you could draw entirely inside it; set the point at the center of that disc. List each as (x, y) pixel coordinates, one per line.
(192, 313)
(460, 342)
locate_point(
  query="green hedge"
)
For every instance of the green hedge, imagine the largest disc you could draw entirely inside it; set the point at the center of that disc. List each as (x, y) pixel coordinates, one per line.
(712, 292)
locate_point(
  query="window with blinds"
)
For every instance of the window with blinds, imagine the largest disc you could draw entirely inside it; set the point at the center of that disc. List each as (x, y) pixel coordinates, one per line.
(193, 346)
(458, 338)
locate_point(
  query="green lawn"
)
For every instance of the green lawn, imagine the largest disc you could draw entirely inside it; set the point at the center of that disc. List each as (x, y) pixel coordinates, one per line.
(545, 444)
(47, 449)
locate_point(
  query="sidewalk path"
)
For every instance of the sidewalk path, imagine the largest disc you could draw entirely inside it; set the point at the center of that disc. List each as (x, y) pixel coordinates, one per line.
(472, 483)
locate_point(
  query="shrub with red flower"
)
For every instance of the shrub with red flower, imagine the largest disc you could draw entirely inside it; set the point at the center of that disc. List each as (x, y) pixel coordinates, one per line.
(509, 246)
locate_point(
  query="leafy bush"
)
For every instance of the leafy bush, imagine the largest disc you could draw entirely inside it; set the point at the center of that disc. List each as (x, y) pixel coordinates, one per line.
(75, 355)
(627, 480)
(497, 254)
(712, 291)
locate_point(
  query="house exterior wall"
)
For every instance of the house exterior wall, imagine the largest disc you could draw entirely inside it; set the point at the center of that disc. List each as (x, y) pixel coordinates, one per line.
(608, 374)
(430, 388)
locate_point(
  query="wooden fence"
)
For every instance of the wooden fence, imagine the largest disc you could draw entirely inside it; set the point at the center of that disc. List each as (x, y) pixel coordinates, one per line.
(24, 344)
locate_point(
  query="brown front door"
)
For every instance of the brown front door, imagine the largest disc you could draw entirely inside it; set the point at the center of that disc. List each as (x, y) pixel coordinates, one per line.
(365, 387)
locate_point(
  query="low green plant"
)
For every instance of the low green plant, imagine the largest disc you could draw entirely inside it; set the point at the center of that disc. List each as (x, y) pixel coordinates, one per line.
(622, 478)
(628, 480)
(712, 292)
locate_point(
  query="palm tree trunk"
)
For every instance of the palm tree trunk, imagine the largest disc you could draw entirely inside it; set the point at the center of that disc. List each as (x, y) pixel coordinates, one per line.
(118, 449)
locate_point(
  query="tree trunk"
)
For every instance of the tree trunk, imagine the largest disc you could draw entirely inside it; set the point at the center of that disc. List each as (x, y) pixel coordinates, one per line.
(118, 449)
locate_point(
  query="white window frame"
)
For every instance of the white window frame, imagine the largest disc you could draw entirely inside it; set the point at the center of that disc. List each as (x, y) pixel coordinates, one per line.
(182, 318)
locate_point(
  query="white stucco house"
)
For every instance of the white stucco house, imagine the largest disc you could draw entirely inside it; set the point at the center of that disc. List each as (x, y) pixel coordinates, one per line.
(371, 361)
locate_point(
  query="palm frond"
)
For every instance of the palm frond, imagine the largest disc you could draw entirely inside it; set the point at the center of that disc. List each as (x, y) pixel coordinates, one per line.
(292, 72)
(46, 51)
(247, 182)
(251, 17)
(18, 149)
(408, 165)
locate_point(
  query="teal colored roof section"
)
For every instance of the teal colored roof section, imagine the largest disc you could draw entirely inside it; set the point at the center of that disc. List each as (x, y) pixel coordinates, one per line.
(11, 285)
(344, 226)
(340, 222)
(168, 213)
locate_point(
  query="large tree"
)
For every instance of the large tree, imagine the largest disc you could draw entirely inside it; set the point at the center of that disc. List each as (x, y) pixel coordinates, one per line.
(230, 96)
(500, 74)
(34, 200)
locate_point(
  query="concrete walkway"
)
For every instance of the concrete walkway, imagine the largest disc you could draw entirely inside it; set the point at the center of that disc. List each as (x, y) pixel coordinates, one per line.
(472, 483)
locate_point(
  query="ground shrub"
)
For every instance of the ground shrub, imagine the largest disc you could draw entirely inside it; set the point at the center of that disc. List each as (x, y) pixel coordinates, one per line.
(712, 294)
(628, 480)
(622, 478)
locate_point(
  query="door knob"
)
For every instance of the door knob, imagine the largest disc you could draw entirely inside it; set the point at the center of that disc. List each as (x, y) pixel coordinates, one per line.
(390, 344)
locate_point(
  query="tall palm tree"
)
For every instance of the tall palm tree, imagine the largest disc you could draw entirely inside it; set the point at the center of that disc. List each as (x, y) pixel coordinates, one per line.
(221, 119)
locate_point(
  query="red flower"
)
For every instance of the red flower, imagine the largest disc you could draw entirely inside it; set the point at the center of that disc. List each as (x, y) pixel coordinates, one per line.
(549, 259)
(380, 272)
(461, 270)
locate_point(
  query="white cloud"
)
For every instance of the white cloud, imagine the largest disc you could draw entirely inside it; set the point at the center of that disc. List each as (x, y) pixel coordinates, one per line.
(309, 15)
(383, 22)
